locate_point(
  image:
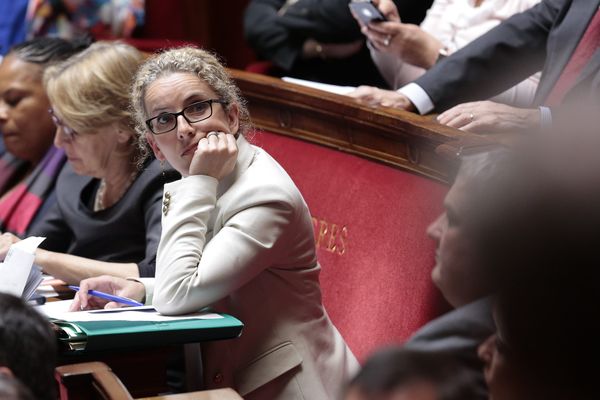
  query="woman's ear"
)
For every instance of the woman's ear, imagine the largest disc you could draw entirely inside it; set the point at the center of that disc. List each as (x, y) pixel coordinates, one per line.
(233, 115)
(157, 153)
(124, 135)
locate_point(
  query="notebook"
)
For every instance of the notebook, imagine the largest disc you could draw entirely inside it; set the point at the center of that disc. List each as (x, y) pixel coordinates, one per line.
(18, 274)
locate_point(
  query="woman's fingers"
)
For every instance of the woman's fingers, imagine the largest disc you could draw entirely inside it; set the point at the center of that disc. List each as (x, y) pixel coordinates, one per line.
(215, 156)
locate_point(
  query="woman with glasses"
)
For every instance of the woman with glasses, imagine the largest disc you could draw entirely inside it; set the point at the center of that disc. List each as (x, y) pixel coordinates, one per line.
(236, 235)
(29, 163)
(106, 219)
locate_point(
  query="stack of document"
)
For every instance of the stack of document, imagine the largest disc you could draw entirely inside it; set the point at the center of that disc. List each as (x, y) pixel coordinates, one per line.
(343, 90)
(18, 275)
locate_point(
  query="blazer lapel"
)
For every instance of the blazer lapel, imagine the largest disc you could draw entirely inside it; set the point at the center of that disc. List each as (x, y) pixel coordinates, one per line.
(563, 40)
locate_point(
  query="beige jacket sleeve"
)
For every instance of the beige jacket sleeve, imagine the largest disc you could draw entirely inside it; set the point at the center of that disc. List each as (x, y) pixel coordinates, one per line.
(244, 230)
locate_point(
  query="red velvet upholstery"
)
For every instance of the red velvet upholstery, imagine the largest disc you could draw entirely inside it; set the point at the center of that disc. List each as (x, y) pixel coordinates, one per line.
(164, 27)
(164, 20)
(370, 222)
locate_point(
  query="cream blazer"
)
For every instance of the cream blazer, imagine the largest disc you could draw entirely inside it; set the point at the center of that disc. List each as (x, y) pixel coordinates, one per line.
(245, 246)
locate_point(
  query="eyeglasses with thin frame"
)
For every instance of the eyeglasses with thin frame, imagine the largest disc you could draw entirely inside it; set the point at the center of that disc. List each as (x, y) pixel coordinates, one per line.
(195, 112)
(69, 133)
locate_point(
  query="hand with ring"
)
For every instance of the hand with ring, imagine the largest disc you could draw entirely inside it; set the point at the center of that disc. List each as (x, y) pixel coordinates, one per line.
(489, 117)
(215, 156)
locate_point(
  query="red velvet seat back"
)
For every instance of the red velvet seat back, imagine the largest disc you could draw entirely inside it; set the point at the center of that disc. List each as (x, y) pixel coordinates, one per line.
(370, 222)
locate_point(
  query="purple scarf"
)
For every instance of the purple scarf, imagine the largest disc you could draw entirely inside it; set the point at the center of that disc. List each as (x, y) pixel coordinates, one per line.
(20, 206)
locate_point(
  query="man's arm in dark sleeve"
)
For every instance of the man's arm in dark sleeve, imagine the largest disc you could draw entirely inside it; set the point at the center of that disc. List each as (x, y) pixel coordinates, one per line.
(267, 36)
(496, 61)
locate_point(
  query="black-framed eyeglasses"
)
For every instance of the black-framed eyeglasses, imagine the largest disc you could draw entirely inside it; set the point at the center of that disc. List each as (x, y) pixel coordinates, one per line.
(69, 133)
(195, 112)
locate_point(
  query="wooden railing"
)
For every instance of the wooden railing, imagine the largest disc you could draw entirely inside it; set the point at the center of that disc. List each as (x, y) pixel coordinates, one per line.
(403, 139)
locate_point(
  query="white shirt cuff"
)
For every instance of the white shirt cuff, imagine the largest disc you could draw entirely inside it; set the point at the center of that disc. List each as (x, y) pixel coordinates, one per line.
(545, 117)
(418, 97)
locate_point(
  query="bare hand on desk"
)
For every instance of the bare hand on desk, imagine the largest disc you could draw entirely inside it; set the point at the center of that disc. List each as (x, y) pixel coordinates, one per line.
(6, 240)
(108, 284)
(379, 97)
(490, 117)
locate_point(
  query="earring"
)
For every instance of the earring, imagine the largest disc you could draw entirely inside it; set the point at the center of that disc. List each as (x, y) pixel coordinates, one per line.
(162, 168)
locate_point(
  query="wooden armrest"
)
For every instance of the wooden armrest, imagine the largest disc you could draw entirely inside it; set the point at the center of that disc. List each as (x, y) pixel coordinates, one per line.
(95, 380)
(90, 380)
(218, 394)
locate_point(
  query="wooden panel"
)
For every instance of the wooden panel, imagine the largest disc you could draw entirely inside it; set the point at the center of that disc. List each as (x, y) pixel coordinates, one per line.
(391, 136)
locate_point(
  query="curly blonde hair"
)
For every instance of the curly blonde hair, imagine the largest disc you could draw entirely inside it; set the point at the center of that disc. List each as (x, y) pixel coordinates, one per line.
(193, 60)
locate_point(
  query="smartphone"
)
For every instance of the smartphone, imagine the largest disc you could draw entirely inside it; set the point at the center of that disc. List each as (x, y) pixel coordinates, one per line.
(366, 11)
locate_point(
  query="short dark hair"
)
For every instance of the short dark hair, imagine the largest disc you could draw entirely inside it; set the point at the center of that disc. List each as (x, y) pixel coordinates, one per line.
(27, 346)
(48, 50)
(392, 368)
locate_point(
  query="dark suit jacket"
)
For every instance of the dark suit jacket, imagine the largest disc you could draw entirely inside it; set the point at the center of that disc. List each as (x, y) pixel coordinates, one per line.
(541, 38)
(279, 38)
(459, 332)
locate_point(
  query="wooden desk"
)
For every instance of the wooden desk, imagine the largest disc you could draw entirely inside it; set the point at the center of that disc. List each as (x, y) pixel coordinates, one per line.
(139, 352)
(143, 372)
(94, 380)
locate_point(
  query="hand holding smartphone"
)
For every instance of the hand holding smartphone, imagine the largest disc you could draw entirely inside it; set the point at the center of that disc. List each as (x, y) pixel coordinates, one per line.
(366, 11)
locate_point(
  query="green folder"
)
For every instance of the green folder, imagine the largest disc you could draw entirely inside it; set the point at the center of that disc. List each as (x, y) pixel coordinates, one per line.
(89, 336)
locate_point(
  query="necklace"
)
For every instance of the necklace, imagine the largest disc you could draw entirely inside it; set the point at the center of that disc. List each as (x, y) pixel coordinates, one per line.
(99, 199)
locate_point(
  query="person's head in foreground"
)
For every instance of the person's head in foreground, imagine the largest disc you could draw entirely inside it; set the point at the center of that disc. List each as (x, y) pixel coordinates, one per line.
(89, 94)
(27, 347)
(399, 374)
(184, 100)
(458, 272)
(538, 230)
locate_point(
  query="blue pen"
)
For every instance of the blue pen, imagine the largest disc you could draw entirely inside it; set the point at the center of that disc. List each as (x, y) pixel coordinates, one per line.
(111, 297)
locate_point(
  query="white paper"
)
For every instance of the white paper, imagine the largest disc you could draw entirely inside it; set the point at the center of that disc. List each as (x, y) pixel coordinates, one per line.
(343, 90)
(142, 313)
(17, 276)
